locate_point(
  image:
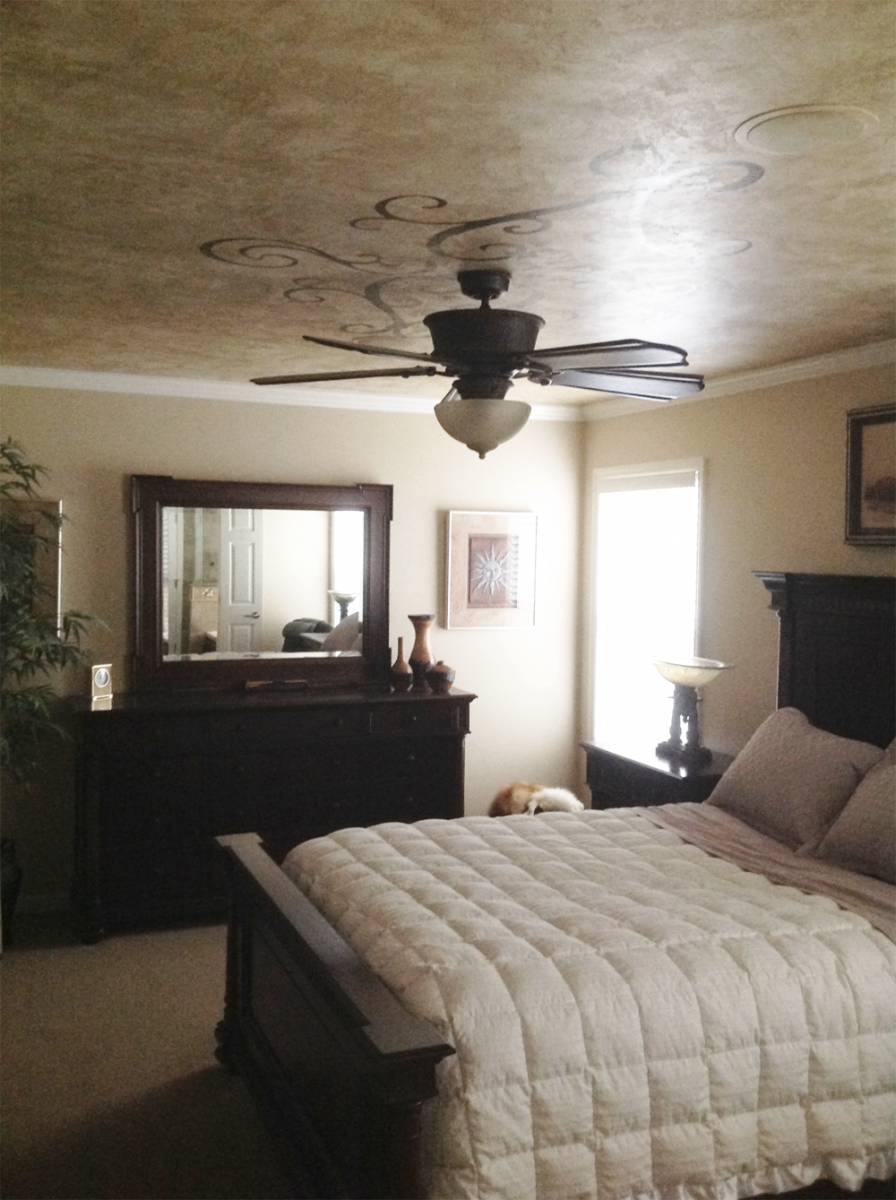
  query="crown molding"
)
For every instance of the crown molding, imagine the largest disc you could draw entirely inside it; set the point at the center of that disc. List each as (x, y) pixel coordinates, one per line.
(837, 362)
(242, 393)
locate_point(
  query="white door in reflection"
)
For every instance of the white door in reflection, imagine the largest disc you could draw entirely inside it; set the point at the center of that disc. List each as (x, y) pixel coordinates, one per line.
(241, 563)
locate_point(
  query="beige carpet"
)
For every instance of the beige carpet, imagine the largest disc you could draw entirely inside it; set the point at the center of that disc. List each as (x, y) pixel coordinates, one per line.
(109, 1084)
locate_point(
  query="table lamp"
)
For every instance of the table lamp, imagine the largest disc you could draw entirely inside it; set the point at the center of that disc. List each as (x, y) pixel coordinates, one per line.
(687, 674)
(343, 599)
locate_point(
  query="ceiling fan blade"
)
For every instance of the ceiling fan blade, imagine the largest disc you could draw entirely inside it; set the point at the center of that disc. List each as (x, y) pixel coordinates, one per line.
(380, 350)
(640, 384)
(403, 372)
(628, 353)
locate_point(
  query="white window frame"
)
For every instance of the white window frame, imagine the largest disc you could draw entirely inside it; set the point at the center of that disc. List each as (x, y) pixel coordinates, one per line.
(633, 471)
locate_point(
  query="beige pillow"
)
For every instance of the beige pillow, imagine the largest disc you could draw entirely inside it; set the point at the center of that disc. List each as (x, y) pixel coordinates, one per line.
(344, 636)
(791, 780)
(863, 838)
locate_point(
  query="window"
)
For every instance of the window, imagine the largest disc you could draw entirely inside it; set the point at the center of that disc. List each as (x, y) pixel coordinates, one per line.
(646, 537)
(346, 562)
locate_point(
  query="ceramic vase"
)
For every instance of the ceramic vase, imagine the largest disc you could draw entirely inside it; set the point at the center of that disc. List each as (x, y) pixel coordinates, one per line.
(401, 674)
(440, 678)
(421, 656)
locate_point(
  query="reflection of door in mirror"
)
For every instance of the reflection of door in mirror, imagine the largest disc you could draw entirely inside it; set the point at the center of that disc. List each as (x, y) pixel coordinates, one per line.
(241, 566)
(233, 578)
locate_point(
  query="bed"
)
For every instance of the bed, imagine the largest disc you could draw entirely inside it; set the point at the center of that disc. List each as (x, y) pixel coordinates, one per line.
(596, 1004)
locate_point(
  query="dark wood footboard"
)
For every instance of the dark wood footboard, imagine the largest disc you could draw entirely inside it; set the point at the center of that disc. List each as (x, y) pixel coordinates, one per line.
(339, 1069)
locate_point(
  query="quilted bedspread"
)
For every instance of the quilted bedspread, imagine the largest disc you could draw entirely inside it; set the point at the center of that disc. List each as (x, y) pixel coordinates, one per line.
(633, 1017)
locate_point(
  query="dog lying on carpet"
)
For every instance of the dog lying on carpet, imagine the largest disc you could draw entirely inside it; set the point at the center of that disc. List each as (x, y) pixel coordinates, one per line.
(533, 798)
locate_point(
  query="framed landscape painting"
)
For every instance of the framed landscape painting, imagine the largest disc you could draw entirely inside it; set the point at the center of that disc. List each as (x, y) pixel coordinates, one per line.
(871, 476)
(491, 570)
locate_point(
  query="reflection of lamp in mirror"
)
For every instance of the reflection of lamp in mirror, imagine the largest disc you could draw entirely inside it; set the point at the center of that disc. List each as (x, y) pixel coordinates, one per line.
(343, 599)
(687, 674)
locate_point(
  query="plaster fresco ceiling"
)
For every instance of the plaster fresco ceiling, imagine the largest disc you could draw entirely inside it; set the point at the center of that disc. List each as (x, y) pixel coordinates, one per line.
(191, 185)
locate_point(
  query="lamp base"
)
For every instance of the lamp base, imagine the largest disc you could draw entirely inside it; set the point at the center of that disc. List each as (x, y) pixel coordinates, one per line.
(688, 756)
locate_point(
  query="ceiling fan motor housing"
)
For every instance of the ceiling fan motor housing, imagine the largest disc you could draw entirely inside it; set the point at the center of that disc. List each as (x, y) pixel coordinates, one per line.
(479, 336)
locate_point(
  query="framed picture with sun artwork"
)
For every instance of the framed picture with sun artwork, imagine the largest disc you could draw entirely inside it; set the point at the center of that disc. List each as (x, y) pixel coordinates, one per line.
(871, 476)
(491, 570)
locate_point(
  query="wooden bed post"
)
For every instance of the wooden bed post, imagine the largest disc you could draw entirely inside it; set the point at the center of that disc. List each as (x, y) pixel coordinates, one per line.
(339, 1069)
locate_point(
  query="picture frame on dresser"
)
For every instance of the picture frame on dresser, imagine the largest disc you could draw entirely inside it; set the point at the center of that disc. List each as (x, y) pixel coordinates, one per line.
(871, 476)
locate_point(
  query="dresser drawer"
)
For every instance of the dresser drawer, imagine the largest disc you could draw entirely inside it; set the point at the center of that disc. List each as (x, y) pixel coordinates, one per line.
(414, 801)
(426, 758)
(432, 717)
(278, 730)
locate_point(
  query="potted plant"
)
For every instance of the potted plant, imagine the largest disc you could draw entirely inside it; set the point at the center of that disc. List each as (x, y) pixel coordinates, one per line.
(35, 641)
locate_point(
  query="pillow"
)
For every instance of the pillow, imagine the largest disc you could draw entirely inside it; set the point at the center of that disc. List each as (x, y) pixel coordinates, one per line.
(863, 838)
(791, 780)
(344, 635)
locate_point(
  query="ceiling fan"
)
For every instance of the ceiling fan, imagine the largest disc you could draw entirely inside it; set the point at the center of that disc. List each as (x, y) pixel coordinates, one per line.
(486, 349)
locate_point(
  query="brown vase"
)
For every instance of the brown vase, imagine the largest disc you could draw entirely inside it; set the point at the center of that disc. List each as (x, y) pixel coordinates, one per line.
(401, 673)
(421, 657)
(440, 678)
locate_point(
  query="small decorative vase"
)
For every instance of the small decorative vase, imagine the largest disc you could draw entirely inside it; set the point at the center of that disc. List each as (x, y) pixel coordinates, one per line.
(421, 656)
(401, 674)
(440, 678)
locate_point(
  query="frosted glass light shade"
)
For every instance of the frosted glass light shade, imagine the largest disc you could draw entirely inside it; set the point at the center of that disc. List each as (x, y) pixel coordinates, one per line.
(690, 672)
(482, 424)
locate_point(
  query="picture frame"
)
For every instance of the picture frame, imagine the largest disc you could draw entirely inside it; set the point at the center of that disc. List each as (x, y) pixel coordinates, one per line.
(491, 570)
(871, 476)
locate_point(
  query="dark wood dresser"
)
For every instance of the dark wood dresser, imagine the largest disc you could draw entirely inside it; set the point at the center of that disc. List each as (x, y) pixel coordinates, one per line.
(635, 775)
(159, 776)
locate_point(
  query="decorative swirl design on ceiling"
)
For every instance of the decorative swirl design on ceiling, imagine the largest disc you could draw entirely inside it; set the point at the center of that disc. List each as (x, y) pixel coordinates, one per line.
(512, 224)
(261, 252)
(635, 171)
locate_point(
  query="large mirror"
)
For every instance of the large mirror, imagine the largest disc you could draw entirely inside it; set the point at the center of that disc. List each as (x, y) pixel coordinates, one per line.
(245, 584)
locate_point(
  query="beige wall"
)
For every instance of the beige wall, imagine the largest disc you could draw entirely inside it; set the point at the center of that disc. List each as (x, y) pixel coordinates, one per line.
(524, 721)
(773, 501)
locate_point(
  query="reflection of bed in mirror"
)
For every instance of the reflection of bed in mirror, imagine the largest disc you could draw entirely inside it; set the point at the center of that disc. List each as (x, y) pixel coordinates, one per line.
(304, 633)
(344, 639)
(493, 1008)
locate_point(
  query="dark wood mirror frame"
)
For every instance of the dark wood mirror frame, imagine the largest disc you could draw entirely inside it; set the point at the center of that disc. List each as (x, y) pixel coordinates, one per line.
(150, 494)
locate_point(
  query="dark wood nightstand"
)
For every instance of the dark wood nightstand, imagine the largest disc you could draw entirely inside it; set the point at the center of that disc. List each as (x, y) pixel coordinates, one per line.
(623, 776)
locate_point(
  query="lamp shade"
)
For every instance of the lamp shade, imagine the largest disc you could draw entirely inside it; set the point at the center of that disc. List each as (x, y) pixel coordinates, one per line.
(690, 672)
(481, 424)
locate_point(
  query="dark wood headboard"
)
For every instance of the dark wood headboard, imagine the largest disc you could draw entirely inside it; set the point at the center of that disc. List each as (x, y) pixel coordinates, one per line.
(837, 650)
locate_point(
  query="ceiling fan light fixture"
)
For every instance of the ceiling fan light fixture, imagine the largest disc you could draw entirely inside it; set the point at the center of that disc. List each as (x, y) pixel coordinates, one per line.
(481, 425)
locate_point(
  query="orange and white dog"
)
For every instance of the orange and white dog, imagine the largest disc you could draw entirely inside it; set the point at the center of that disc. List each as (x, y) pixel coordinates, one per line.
(533, 798)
